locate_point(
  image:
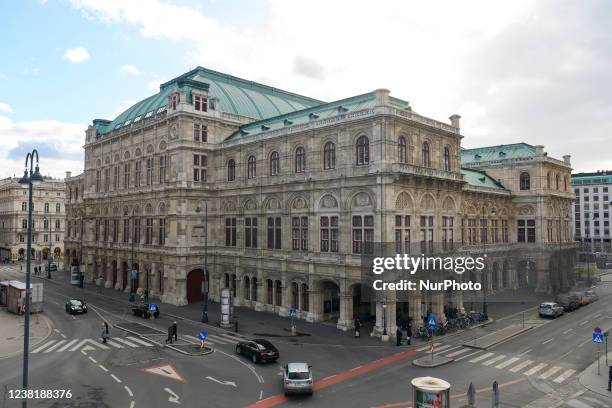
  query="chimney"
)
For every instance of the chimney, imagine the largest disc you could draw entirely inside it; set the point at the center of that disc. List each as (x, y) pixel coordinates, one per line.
(539, 150)
(68, 174)
(382, 96)
(567, 158)
(455, 121)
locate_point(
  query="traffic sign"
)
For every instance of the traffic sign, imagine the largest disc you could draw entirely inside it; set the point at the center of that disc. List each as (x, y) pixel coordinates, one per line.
(293, 312)
(432, 322)
(202, 335)
(153, 307)
(598, 338)
(597, 330)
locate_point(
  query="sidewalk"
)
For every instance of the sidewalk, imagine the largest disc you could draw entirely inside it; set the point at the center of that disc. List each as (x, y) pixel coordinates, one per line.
(594, 382)
(11, 336)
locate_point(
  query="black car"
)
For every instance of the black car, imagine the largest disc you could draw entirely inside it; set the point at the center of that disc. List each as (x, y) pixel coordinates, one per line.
(145, 310)
(259, 350)
(74, 306)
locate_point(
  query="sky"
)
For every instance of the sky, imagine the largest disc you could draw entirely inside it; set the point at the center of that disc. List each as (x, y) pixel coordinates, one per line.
(538, 72)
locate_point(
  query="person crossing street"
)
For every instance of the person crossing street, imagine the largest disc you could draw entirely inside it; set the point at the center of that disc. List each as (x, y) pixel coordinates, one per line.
(174, 331)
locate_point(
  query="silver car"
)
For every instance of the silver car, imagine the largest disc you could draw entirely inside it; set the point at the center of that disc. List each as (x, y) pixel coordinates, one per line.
(591, 296)
(550, 309)
(297, 378)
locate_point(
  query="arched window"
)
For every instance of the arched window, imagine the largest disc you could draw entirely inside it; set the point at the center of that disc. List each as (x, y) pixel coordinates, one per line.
(300, 160)
(525, 181)
(548, 180)
(363, 151)
(274, 164)
(401, 149)
(425, 155)
(231, 170)
(251, 167)
(557, 181)
(447, 159)
(329, 156)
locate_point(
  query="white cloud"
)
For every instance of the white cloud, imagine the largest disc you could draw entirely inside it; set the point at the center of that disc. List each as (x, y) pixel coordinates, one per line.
(59, 145)
(76, 55)
(5, 107)
(130, 69)
(522, 71)
(154, 85)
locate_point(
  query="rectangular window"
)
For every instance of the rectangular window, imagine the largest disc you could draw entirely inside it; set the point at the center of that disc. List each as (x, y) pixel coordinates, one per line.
(274, 233)
(199, 168)
(200, 132)
(495, 231)
(149, 231)
(149, 171)
(116, 230)
(107, 177)
(471, 231)
(299, 233)
(96, 231)
(230, 232)
(98, 178)
(138, 169)
(58, 208)
(136, 234)
(196, 132)
(448, 233)
(250, 232)
(363, 234)
(116, 178)
(161, 234)
(200, 103)
(162, 169)
(126, 175)
(106, 228)
(531, 232)
(126, 230)
(520, 231)
(24, 206)
(329, 234)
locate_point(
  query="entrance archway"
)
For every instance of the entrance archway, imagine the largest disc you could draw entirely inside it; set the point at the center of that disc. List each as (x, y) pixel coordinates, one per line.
(331, 300)
(195, 279)
(364, 302)
(57, 252)
(124, 275)
(45, 253)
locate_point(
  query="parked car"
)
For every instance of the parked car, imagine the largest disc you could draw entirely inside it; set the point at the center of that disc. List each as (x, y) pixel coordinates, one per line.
(570, 302)
(297, 378)
(550, 309)
(145, 310)
(258, 350)
(591, 296)
(52, 267)
(74, 306)
(583, 299)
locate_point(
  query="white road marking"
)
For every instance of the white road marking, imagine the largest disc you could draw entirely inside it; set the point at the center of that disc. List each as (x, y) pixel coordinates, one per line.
(103, 368)
(507, 362)
(456, 353)
(493, 360)
(583, 323)
(548, 341)
(482, 357)
(56, 345)
(93, 360)
(128, 390)
(260, 394)
(427, 347)
(216, 339)
(567, 331)
(535, 369)
(126, 342)
(446, 346)
(525, 352)
(468, 355)
(520, 366)
(132, 404)
(112, 343)
(596, 316)
(550, 372)
(115, 378)
(44, 346)
(139, 341)
(564, 376)
(70, 343)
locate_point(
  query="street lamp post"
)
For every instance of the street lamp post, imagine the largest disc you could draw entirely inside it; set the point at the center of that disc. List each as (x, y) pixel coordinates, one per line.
(29, 179)
(485, 279)
(81, 276)
(132, 266)
(206, 280)
(384, 306)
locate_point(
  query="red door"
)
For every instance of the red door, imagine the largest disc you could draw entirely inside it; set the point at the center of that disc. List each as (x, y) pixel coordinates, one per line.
(194, 286)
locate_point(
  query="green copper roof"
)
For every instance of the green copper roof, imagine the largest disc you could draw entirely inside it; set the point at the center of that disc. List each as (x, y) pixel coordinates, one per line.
(235, 95)
(479, 178)
(501, 152)
(600, 177)
(324, 111)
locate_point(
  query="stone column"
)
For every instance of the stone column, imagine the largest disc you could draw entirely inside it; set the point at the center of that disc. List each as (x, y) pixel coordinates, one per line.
(345, 321)
(154, 280)
(388, 321)
(437, 306)
(109, 275)
(315, 305)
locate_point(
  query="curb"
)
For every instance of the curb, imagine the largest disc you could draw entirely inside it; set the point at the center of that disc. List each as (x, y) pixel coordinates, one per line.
(438, 361)
(207, 350)
(33, 346)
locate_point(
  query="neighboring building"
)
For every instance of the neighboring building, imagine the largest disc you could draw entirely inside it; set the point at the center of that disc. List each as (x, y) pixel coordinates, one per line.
(592, 209)
(296, 190)
(48, 219)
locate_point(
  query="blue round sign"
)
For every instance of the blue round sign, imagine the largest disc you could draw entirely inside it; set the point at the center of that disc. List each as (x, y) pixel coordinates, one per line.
(597, 330)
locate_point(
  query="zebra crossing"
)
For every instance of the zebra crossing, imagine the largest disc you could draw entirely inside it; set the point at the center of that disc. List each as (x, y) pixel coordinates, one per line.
(59, 346)
(514, 364)
(216, 339)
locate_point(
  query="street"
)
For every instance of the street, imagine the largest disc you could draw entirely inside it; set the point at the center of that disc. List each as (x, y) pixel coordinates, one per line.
(134, 369)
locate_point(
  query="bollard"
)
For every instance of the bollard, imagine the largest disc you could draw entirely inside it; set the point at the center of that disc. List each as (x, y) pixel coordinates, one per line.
(471, 396)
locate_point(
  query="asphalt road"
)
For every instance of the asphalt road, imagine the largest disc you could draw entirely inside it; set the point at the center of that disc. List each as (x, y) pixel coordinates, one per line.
(346, 376)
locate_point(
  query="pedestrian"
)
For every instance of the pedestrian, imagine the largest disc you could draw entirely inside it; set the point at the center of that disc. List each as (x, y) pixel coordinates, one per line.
(174, 331)
(104, 334)
(398, 337)
(169, 339)
(106, 328)
(610, 379)
(408, 333)
(357, 327)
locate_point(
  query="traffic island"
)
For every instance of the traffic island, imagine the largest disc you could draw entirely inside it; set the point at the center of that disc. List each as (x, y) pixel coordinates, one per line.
(138, 329)
(190, 349)
(496, 337)
(429, 362)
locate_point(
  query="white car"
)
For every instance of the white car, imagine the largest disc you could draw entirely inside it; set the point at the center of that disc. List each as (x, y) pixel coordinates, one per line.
(297, 379)
(550, 309)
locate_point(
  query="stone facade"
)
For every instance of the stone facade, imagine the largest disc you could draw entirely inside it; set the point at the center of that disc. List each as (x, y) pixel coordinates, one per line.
(48, 219)
(290, 207)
